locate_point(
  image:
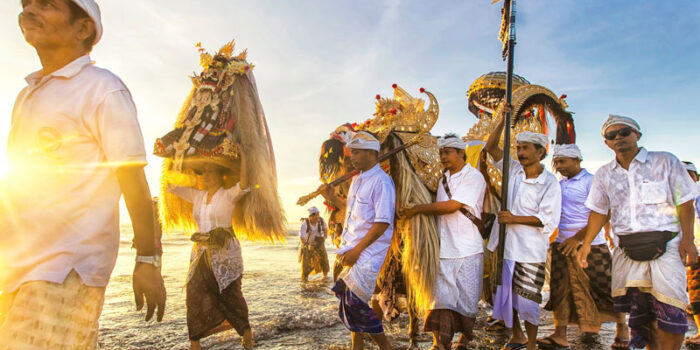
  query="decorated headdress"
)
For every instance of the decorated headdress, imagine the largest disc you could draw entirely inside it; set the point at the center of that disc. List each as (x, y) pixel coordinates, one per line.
(223, 110)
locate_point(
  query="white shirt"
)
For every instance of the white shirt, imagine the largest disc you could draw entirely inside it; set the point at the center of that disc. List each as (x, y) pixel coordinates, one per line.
(371, 199)
(312, 230)
(459, 237)
(574, 213)
(70, 131)
(539, 197)
(226, 262)
(643, 198)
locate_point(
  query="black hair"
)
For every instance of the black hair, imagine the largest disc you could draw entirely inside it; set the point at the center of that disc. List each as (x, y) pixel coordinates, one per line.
(538, 147)
(77, 13)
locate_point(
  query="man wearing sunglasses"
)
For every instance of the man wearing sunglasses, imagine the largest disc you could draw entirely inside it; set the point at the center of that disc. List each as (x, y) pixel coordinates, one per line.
(649, 196)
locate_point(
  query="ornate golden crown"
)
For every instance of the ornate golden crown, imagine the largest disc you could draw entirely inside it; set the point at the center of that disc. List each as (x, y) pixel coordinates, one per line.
(403, 113)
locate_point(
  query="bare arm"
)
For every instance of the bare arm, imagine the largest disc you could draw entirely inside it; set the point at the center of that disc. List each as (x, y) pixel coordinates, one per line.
(505, 217)
(437, 208)
(137, 196)
(492, 143)
(687, 249)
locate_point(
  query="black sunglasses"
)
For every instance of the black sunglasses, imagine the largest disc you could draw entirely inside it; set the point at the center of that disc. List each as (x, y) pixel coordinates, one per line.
(624, 132)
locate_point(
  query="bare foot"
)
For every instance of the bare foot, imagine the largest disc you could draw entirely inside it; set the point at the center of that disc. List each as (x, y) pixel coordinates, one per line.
(248, 339)
(194, 345)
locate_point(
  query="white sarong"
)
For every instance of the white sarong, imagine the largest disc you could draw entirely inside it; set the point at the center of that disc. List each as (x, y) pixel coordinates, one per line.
(459, 285)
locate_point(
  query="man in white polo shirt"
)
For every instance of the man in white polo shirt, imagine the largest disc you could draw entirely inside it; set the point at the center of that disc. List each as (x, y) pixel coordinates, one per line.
(534, 203)
(649, 196)
(367, 232)
(460, 196)
(74, 146)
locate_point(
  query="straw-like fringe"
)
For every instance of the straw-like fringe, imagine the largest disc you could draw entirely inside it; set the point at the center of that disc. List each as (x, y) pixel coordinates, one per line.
(421, 250)
(258, 216)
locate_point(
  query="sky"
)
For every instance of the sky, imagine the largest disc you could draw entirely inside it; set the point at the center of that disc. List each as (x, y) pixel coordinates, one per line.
(320, 63)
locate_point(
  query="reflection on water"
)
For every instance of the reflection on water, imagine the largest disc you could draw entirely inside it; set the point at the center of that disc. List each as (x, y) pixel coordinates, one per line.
(284, 313)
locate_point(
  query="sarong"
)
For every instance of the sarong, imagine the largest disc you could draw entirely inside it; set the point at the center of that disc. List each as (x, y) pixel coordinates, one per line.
(314, 259)
(651, 290)
(208, 307)
(46, 315)
(693, 275)
(355, 313)
(644, 309)
(391, 282)
(456, 298)
(582, 296)
(520, 289)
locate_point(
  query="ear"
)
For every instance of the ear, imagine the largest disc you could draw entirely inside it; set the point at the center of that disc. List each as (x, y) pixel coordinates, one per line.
(87, 28)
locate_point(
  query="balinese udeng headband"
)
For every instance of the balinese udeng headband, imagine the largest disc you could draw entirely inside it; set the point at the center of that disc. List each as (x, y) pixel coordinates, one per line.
(532, 137)
(690, 167)
(619, 119)
(569, 151)
(364, 140)
(451, 142)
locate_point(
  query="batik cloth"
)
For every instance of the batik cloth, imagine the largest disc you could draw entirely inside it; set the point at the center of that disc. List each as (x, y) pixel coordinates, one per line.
(47, 315)
(520, 289)
(644, 309)
(582, 296)
(355, 313)
(208, 307)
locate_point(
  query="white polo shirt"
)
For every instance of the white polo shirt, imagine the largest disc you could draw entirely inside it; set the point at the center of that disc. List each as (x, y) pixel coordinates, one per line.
(459, 237)
(70, 131)
(539, 197)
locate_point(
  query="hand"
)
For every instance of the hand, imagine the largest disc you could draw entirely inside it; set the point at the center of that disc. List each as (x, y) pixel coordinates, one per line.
(569, 246)
(350, 257)
(407, 212)
(688, 252)
(149, 283)
(507, 108)
(505, 217)
(582, 255)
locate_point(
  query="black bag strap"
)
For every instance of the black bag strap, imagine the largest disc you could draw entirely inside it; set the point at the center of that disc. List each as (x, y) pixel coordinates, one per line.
(462, 209)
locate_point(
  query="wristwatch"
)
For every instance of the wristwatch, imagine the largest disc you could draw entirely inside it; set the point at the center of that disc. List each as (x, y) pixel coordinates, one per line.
(153, 260)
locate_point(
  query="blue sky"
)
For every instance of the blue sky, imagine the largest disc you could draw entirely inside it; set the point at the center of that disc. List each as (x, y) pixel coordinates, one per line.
(320, 64)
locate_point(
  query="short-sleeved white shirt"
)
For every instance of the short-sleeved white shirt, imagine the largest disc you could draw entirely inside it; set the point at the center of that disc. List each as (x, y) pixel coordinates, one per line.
(459, 237)
(371, 199)
(539, 197)
(70, 131)
(643, 198)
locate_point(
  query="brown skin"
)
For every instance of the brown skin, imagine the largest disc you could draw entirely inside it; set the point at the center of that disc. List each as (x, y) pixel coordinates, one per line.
(626, 149)
(693, 175)
(46, 25)
(453, 160)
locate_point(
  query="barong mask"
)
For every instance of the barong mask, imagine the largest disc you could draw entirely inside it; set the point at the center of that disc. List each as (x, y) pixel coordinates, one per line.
(223, 113)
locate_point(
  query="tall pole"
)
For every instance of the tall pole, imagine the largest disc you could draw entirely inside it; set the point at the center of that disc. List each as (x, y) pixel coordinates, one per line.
(506, 140)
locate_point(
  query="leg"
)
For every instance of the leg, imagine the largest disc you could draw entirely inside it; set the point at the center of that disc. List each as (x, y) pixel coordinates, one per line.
(531, 330)
(696, 337)
(518, 335)
(248, 339)
(358, 341)
(194, 345)
(412, 324)
(662, 340)
(382, 341)
(559, 335)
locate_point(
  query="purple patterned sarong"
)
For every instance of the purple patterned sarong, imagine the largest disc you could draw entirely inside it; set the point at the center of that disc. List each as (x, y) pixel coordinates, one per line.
(355, 314)
(644, 308)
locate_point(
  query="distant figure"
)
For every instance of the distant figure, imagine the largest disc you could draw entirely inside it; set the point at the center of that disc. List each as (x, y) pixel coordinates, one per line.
(312, 253)
(649, 196)
(75, 146)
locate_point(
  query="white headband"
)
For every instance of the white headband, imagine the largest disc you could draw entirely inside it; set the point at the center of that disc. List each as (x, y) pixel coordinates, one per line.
(690, 167)
(451, 142)
(532, 137)
(313, 210)
(364, 140)
(93, 10)
(619, 119)
(569, 151)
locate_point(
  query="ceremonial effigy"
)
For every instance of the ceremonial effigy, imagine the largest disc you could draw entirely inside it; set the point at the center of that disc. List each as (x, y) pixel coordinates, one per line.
(534, 108)
(223, 111)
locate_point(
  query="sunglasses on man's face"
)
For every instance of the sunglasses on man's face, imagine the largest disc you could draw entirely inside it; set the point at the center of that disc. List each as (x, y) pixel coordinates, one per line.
(624, 132)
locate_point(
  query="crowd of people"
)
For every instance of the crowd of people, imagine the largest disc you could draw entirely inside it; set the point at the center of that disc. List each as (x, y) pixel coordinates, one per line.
(623, 237)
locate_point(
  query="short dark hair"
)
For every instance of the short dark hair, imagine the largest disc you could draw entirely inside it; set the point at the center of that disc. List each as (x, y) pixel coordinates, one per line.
(77, 13)
(537, 147)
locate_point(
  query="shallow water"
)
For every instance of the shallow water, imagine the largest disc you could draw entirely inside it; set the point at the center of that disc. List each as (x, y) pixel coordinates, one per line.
(284, 313)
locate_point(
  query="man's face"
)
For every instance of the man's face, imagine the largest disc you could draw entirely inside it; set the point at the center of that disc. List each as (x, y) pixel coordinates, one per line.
(313, 218)
(566, 166)
(362, 159)
(622, 143)
(46, 24)
(451, 158)
(528, 154)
